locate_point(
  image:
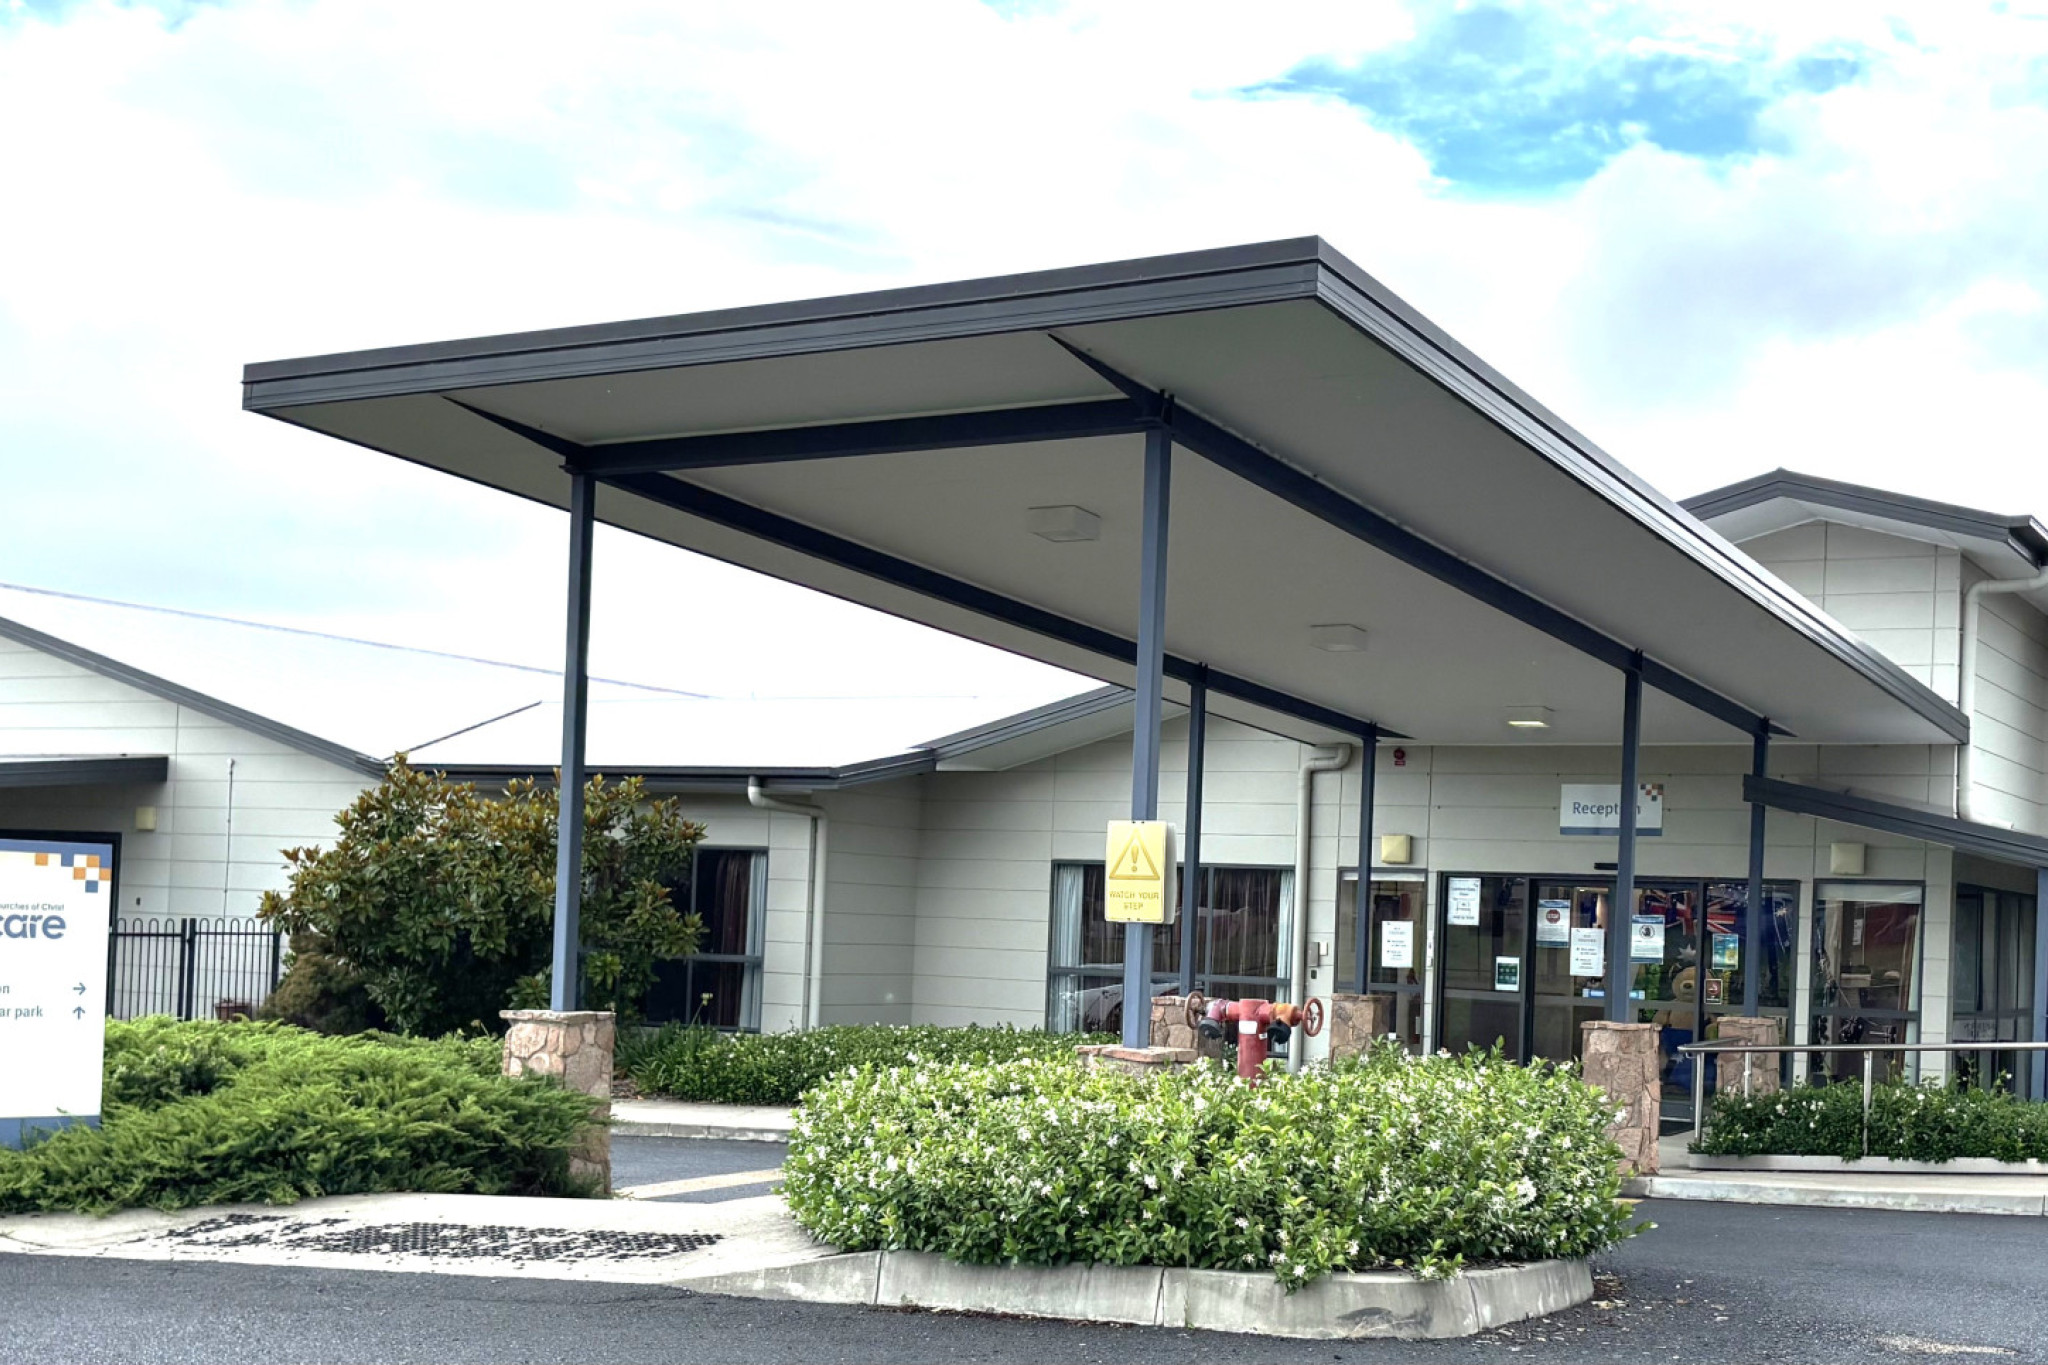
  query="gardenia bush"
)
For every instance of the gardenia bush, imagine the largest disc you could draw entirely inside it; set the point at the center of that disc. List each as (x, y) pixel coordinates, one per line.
(209, 1113)
(1910, 1122)
(1389, 1161)
(777, 1068)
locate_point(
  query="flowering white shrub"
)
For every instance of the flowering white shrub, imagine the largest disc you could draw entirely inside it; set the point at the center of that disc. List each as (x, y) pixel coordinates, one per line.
(1388, 1161)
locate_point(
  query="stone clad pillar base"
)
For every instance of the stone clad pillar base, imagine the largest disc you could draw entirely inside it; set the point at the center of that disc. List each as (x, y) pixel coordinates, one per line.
(1357, 1022)
(576, 1047)
(1621, 1060)
(1762, 1067)
(1171, 1029)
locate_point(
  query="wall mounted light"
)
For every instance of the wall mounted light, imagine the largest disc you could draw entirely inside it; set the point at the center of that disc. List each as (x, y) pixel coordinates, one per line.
(1337, 639)
(1396, 850)
(145, 818)
(1529, 717)
(1063, 524)
(1845, 860)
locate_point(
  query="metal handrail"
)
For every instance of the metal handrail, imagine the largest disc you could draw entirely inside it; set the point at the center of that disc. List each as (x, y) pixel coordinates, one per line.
(1869, 1051)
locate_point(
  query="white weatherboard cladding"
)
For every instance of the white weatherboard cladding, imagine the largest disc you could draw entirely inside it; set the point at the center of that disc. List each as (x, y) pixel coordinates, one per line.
(187, 865)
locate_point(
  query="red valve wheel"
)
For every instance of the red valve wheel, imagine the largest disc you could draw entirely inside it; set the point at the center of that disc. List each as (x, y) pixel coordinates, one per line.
(1312, 1016)
(1196, 1008)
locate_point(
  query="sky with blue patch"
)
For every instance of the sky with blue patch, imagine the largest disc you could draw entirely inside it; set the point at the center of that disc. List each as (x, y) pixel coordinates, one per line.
(1528, 99)
(1716, 236)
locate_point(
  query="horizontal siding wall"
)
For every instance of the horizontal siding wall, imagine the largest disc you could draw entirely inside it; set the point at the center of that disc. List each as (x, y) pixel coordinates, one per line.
(2010, 738)
(190, 864)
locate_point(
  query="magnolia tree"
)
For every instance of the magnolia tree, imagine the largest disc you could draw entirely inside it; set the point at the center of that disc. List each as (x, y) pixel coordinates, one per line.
(434, 908)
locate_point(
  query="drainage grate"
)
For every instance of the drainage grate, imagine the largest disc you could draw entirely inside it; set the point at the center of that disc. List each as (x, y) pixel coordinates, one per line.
(458, 1241)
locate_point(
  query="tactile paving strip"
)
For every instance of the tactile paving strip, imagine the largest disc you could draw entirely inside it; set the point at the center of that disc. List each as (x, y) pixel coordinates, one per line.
(460, 1241)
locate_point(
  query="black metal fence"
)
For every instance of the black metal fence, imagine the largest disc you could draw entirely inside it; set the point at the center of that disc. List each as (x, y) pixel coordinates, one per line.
(191, 968)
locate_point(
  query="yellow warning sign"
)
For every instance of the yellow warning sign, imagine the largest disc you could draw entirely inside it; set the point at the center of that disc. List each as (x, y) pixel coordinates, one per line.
(1139, 857)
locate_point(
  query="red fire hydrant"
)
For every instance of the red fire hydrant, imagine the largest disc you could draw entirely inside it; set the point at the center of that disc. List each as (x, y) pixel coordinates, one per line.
(1260, 1025)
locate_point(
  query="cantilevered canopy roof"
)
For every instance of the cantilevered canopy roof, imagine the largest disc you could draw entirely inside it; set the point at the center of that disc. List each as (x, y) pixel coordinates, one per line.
(1338, 460)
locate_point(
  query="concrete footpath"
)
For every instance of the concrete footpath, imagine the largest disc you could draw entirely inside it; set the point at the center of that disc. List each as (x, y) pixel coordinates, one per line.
(680, 1119)
(2023, 1195)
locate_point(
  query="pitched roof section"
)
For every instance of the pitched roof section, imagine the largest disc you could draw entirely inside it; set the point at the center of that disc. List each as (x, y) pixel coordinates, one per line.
(2012, 543)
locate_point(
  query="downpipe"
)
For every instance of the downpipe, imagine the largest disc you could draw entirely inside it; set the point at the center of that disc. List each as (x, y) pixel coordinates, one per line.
(1334, 759)
(1966, 682)
(814, 898)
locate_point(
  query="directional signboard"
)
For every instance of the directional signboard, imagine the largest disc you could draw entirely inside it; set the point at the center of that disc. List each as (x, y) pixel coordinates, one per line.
(1139, 871)
(54, 901)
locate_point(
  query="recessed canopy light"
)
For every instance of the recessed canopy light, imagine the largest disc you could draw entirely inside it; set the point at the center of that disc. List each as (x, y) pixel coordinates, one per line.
(1337, 639)
(1062, 524)
(1529, 717)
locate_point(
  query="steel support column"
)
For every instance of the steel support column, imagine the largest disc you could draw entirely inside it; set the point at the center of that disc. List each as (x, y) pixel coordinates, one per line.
(1137, 997)
(1191, 834)
(565, 988)
(2037, 1062)
(1368, 755)
(1753, 923)
(1620, 910)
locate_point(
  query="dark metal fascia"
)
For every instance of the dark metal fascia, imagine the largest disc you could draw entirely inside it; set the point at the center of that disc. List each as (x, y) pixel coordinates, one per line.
(1432, 354)
(1229, 277)
(662, 779)
(2006, 845)
(2022, 534)
(121, 770)
(225, 712)
(838, 440)
(683, 496)
(1232, 452)
(1105, 698)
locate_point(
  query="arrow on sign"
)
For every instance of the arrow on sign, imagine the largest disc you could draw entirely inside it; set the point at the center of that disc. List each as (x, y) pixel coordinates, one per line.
(78, 1012)
(80, 988)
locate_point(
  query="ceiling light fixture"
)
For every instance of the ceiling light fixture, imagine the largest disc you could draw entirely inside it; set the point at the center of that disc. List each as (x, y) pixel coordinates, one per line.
(1063, 524)
(1529, 717)
(1337, 639)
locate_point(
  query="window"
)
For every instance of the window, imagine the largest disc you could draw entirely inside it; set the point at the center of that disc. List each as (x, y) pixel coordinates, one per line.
(1239, 929)
(1866, 982)
(719, 986)
(1394, 954)
(1992, 976)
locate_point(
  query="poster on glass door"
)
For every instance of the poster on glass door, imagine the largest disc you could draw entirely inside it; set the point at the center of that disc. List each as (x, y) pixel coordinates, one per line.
(1553, 923)
(1589, 951)
(1397, 943)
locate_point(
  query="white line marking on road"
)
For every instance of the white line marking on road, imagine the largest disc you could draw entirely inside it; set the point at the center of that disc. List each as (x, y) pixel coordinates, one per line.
(662, 1189)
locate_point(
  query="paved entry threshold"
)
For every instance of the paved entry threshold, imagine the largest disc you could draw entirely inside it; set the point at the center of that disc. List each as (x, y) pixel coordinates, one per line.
(694, 1170)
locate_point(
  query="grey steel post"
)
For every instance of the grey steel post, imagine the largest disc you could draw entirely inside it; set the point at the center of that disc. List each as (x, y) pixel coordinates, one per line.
(1137, 999)
(1753, 924)
(1869, 1071)
(565, 988)
(2037, 1065)
(1368, 751)
(1191, 836)
(1619, 969)
(1699, 1095)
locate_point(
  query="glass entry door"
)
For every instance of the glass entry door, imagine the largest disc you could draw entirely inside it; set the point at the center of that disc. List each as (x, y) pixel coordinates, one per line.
(1664, 981)
(1486, 934)
(1565, 1000)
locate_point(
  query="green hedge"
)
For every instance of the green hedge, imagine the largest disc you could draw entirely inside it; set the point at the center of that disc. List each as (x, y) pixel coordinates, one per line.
(209, 1113)
(1391, 1161)
(1910, 1122)
(777, 1068)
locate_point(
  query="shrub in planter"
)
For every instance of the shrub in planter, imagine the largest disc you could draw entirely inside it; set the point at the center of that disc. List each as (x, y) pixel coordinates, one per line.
(206, 1113)
(777, 1068)
(1385, 1161)
(1907, 1122)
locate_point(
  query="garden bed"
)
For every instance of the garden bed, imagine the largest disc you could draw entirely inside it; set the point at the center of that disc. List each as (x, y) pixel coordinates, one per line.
(211, 1113)
(709, 1067)
(1385, 1163)
(1910, 1128)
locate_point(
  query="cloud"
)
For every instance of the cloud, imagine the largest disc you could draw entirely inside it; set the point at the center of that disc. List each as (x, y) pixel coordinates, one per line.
(1718, 237)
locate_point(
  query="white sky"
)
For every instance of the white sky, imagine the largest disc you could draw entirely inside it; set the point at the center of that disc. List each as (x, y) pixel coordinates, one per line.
(1858, 291)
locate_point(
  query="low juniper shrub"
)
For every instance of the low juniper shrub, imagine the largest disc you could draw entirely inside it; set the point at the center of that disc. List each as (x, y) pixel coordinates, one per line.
(206, 1113)
(1389, 1161)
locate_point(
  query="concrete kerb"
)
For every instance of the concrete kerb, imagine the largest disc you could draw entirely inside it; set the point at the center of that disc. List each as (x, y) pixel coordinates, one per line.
(679, 1119)
(1335, 1307)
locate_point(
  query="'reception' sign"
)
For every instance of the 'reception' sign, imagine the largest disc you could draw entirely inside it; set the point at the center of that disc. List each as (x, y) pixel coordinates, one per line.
(56, 898)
